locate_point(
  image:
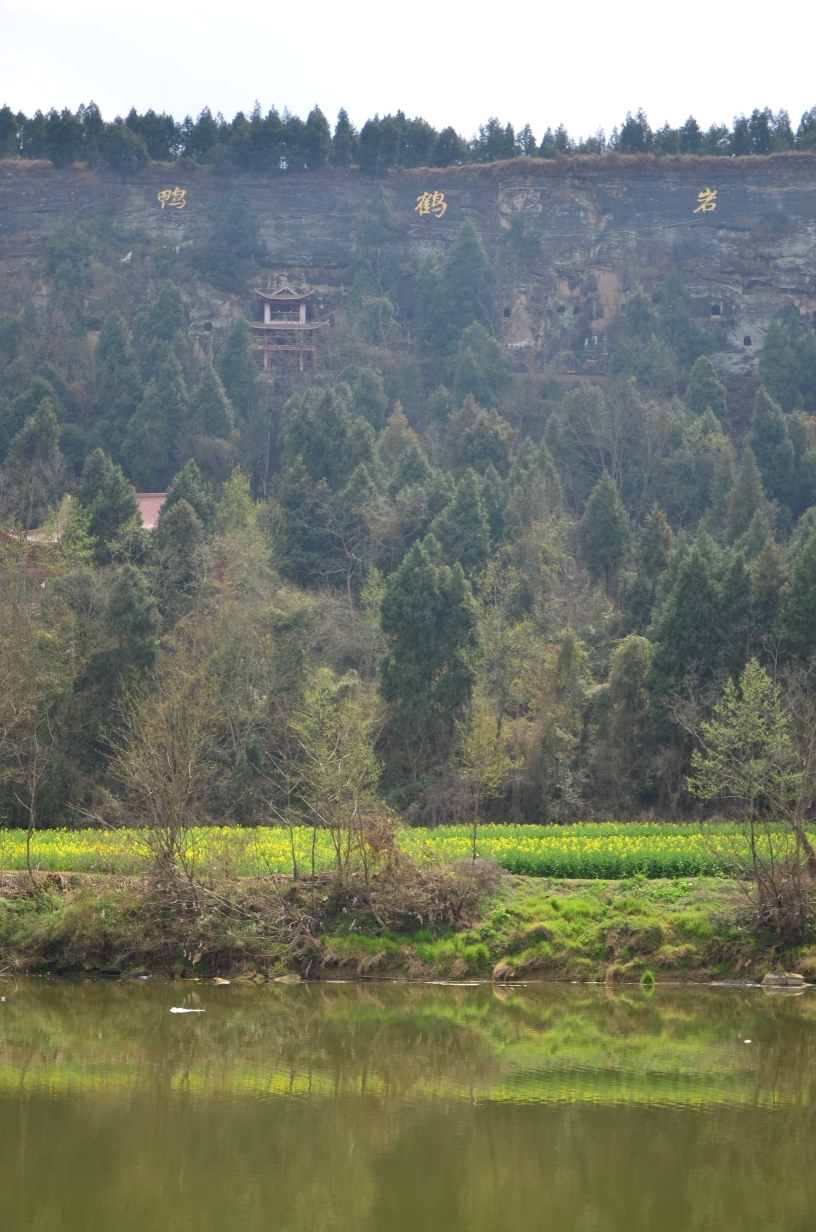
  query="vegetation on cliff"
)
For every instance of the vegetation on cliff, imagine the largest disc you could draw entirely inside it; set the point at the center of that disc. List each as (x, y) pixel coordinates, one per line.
(283, 142)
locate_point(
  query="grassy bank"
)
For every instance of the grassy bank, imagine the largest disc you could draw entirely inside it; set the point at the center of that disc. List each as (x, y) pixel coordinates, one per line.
(522, 928)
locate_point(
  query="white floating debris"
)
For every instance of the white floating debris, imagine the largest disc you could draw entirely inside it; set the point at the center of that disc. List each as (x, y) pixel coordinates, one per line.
(183, 1009)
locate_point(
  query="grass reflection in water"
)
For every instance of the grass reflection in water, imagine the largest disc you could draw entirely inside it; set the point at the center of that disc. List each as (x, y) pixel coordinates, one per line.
(366, 1106)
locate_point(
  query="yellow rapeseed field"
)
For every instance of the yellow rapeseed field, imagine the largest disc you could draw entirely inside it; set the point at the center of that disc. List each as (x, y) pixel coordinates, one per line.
(603, 849)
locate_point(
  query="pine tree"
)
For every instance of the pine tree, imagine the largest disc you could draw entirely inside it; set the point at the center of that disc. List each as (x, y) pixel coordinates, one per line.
(777, 367)
(332, 441)
(177, 538)
(305, 544)
(772, 447)
(190, 487)
(768, 577)
(456, 293)
(704, 390)
(158, 429)
(118, 383)
(344, 143)
(736, 616)
(799, 602)
(604, 531)
(428, 618)
(655, 543)
(478, 438)
(463, 530)
(162, 331)
(370, 398)
(34, 465)
(210, 426)
(109, 499)
(481, 367)
(239, 371)
(746, 498)
(133, 620)
(687, 632)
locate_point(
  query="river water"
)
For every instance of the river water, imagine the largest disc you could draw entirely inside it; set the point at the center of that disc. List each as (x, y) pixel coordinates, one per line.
(404, 1108)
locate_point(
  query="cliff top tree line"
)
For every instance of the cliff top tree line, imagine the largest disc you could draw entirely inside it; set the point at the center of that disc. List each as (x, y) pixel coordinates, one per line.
(283, 142)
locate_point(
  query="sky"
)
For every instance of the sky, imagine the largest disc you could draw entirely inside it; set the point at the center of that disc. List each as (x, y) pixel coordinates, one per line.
(455, 63)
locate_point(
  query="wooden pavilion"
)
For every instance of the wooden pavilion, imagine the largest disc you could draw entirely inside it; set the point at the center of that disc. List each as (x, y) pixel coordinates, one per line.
(287, 327)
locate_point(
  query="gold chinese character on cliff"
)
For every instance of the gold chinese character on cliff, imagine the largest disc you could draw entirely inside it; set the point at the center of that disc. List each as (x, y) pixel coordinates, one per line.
(173, 197)
(431, 203)
(708, 201)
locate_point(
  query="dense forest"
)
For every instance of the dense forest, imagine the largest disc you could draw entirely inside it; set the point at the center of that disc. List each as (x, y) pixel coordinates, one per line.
(416, 571)
(283, 142)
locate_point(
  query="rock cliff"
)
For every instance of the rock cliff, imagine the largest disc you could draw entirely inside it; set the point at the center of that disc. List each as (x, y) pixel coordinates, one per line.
(570, 239)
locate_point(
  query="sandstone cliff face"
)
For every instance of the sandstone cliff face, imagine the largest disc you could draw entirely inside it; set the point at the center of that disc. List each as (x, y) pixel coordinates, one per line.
(570, 239)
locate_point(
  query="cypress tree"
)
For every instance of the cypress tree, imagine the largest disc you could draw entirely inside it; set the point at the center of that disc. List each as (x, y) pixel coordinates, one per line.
(768, 576)
(238, 370)
(428, 618)
(109, 499)
(746, 498)
(772, 447)
(118, 383)
(799, 602)
(687, 632)
(156, 431)
(463, 530)
(604, 530)
(190, 487)
(705, 389)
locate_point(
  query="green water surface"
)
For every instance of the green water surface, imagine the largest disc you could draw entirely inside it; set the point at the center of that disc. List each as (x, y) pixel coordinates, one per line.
(404, 1108)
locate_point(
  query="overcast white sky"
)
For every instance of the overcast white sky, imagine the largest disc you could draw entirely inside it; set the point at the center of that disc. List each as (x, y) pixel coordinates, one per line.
(453, 63)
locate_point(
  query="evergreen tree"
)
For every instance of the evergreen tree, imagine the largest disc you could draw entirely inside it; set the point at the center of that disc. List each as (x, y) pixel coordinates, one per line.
(370, 398)
(158, 429)
(655, 543)
(177, 538)
(133, 620)
(162, 331)
(481, 367)
(705, 389)
(478, 438)
(736, 616)
(455, 293)
(377, 268)
(768, 577)
(34, 465)
(463, 530)
(190, 487)
(331, 440)
(210, 408)
(687, 633)
(395, 439)
(777, 367)
(799, 602)
(239, 371)
(304, 545)
(747, 498)
(234, 247)
(772, 448)
(109, 499)
(118, 383)
(604, 531)
(428, 619)
(344, 143)
(210, 426)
